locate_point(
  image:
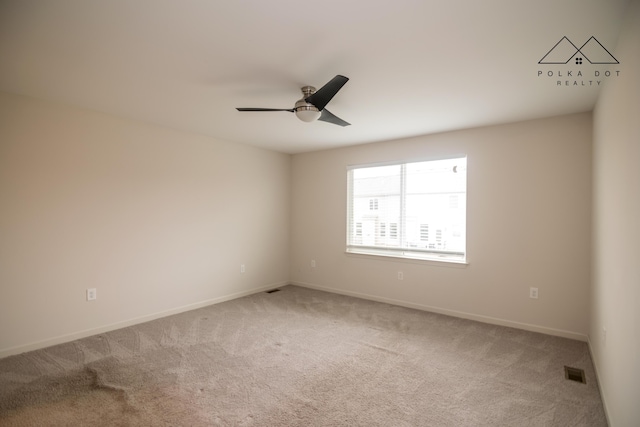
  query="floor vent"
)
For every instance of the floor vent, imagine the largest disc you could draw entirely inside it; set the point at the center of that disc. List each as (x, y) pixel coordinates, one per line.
(273, 290)
(574, 374)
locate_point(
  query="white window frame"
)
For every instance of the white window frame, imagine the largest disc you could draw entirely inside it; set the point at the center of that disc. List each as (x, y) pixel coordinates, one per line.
(430, 254)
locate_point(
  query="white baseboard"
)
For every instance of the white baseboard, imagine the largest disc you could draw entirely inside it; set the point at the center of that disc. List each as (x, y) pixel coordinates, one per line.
(454, 313)
(118, 325)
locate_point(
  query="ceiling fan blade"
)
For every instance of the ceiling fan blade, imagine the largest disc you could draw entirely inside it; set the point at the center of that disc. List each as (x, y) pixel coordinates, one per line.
(266, 109)
(327, 116)
(322, 96)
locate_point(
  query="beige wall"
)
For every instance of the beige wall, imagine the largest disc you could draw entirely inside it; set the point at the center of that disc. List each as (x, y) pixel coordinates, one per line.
(616, 231)
(529, 204)
(157, 220)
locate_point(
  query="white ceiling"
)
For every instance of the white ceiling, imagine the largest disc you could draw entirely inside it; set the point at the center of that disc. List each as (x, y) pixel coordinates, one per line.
(415, 66)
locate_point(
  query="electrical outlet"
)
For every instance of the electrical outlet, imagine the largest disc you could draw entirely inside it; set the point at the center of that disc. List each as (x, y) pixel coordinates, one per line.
(91, 294)
(400, 275)
(242, 269)
(533, 293)
(313, 263)
(604, 336)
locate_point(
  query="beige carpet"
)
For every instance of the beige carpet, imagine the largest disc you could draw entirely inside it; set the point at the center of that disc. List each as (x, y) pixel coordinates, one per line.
(300, 357)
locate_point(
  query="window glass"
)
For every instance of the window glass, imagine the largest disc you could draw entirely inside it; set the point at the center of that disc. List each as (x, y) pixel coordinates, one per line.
(413, 210)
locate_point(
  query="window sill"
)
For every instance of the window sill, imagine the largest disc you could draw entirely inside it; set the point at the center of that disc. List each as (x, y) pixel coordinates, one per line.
(442, 261)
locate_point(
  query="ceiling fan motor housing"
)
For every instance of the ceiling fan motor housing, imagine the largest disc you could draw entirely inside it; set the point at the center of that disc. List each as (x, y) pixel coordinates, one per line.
(305, 111)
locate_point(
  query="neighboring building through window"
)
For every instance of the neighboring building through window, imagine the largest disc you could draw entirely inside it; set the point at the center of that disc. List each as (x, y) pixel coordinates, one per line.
(424, 232)
(393, 232)
(411, 210)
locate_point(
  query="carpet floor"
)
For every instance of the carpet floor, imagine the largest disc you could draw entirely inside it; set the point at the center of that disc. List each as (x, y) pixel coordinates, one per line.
(302, 357)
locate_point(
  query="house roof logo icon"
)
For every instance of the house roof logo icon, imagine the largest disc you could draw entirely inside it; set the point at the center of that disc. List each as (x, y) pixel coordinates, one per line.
(564, 51)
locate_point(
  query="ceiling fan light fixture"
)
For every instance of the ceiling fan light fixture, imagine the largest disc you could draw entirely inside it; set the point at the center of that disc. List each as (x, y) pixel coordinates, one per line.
(306, 112)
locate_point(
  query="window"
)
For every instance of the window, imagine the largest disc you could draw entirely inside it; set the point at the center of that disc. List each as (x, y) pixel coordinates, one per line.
(412, 210)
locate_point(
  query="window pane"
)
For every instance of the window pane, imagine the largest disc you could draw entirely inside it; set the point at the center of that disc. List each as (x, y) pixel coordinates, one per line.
(375, 202)
(435, 201)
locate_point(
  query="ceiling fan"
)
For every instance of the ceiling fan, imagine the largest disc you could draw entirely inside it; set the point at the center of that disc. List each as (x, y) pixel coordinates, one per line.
(311, 106)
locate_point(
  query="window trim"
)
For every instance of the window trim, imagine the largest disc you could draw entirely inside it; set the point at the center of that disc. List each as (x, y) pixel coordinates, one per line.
(413, 254)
